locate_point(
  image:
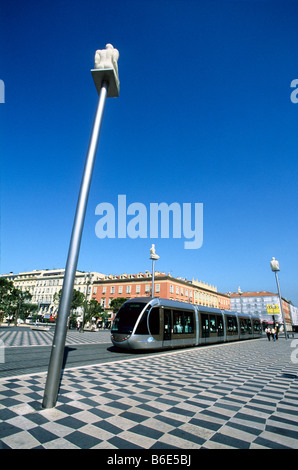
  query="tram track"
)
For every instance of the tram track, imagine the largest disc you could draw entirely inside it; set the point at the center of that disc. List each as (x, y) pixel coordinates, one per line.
(29, 360)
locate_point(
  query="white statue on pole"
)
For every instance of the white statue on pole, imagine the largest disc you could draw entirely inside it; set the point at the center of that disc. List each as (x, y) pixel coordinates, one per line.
(274, 265)
(106, 70)
(153, 255)
(106, 59)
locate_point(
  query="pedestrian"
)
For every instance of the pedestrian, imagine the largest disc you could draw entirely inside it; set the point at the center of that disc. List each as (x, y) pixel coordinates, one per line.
(273, 331)
(276, 331)
(268, 333)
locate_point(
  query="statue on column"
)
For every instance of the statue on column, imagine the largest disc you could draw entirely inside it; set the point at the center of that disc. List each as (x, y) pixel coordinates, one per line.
(274, 264)
(153, 255)
(107, 59)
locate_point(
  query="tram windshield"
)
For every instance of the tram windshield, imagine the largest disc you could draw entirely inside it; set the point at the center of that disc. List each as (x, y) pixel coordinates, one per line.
(126, 317)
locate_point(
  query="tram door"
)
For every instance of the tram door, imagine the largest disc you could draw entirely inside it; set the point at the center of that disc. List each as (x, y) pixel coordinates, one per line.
(205, 327)
(168, 325)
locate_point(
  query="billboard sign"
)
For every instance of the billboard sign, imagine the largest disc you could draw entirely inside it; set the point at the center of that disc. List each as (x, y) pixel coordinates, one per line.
(273, 309)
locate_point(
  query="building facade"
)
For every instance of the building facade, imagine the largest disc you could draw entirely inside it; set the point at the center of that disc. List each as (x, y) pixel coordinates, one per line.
(165, 286)
(294, 317)
(44, 284)
(257, 302)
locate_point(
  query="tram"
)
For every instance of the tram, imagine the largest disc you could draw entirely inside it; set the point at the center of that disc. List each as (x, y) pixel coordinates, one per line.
(146, 323)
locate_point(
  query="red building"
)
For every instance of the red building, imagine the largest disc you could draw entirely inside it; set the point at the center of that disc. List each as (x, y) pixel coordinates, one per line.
(165, 286)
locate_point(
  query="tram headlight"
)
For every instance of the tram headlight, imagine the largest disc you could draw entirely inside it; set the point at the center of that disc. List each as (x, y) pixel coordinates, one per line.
(118, 340)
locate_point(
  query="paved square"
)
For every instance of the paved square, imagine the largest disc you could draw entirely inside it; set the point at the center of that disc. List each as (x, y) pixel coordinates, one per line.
(240, 395)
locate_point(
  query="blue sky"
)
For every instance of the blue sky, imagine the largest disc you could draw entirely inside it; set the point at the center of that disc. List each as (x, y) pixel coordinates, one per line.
(204, 116)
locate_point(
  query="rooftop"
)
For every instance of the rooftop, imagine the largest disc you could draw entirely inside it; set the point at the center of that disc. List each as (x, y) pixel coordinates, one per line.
(262, 293)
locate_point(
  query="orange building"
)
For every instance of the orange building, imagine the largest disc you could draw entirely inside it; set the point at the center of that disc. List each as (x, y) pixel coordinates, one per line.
(165, 286)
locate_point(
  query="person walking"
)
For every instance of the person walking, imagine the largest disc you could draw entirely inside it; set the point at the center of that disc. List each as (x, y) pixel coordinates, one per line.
(276, 331)
(268, 333)
(273, 332)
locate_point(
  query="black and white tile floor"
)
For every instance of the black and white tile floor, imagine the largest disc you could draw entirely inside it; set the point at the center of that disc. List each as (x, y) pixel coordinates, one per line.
(233, 396)
(22, 336)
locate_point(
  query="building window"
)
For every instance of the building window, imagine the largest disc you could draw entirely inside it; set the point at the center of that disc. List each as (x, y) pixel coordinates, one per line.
(112, 290)
(120, 289)
(157, 287)
(138, 289)
(104, 289)
(147, 288)
(177, 290)
(171, 289)
(128, 289)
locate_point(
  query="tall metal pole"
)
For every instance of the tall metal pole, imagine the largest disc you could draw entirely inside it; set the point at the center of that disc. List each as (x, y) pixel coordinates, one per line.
(153, 257)
(153, 271)
(240, 293)
(275, 267)
(88, 279)
(56, 359)
(280, 301)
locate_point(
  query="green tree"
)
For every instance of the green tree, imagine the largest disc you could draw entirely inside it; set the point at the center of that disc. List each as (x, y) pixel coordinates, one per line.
(13, 301)
(27, 309)
(21, 299)
(78, 299)
(94, 310)
(116, 303)
(5, 287)
(6, 291)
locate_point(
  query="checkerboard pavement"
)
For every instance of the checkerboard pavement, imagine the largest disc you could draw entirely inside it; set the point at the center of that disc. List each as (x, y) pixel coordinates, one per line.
(240, 395)
(27, 337)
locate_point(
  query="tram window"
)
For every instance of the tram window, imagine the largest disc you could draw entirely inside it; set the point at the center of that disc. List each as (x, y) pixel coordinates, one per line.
(142, 328)
(188, 322)
(178, 321)
(154, 321)
(245, 326)
(212, 324)
(216, 324)
(249, 326)
(126, 317)
(232, 325)
(256, 324)
(183, 322)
